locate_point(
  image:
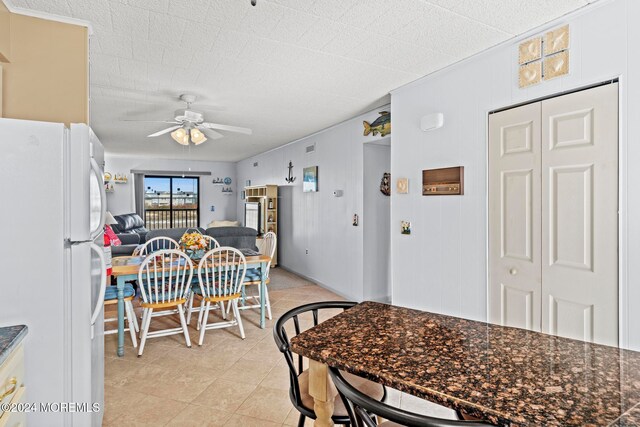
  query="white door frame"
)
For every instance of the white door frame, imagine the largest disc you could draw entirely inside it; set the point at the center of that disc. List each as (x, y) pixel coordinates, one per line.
(623, 263)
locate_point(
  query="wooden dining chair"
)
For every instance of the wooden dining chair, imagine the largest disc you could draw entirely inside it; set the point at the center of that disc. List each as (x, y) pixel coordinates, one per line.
(362, 409)
(253, 278)
(220, 274)
(164, 278)
(157, 244)
(290, 323)
(213, 243)
(111, 297)
(195, 285)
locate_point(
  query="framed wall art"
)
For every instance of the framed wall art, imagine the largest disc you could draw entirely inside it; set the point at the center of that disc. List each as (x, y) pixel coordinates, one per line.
(310, 179)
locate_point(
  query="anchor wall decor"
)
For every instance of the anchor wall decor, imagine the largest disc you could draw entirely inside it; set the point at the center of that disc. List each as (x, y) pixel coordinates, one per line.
(290, 178)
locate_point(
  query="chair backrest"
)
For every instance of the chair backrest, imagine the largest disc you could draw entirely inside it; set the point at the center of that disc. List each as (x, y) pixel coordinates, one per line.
(292, 317)
(213, 243)
(362, 408)
(158, 244)
(221, 272)
(268, 246)
(165, 276)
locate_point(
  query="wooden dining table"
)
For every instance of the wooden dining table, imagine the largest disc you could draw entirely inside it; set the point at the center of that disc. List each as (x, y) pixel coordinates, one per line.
(506, 376)
(126, 269)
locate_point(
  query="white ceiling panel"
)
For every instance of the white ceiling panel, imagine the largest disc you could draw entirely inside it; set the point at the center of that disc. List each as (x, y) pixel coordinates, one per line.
(285, 68)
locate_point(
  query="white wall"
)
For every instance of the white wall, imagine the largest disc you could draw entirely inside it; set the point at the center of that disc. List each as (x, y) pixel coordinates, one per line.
(122, 199)
(319, 221)
(375, 223)
(448, 243)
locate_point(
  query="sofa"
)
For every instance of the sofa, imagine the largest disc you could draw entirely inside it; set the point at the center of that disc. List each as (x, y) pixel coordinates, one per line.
(131, 231)
(130, 223)
(236, 237)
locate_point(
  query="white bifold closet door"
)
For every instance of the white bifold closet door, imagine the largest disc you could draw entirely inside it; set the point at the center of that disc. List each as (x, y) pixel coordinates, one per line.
(553, 216)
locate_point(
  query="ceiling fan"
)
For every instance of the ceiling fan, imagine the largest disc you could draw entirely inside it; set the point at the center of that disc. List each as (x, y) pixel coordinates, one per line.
(191, 127)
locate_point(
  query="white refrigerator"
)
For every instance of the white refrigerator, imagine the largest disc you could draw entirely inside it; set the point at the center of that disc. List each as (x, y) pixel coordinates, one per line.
(52, 270)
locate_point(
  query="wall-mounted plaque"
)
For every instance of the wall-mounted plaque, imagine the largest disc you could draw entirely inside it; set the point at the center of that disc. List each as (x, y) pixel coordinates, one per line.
(443, 182)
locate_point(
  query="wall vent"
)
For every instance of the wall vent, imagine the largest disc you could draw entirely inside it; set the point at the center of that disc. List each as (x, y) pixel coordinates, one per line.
(255, 164)
(311, 148)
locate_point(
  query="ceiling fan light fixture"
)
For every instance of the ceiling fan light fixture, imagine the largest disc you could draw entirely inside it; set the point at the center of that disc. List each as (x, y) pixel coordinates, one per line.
(197, 137)
(180, 136)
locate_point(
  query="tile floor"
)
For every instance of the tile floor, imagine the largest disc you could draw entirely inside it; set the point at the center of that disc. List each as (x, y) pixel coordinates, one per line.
(226, 382)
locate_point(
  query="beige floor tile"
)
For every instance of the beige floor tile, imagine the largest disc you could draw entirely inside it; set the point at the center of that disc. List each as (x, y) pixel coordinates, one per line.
(182, 383)
(152, 411)
(224, 395)
(118, 401)
(266, 350)
(277, 378)
(248, 371)
(267, 404)
(120, 372)
(238, 420)
(294, 416)
(199, 416)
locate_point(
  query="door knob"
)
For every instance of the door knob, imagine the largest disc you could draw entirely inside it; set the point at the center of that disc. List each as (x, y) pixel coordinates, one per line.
(513, 271)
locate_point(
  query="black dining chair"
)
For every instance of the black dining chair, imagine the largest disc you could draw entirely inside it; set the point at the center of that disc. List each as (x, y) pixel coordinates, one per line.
(362, 409)
(299, 377)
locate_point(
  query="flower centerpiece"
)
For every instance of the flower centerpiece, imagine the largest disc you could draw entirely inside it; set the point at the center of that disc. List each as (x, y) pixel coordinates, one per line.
(194, 245)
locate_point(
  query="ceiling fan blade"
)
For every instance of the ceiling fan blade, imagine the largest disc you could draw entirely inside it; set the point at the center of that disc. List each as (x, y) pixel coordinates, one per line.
(210, 132)
(163, 131)
(171, 122)
(246, 131)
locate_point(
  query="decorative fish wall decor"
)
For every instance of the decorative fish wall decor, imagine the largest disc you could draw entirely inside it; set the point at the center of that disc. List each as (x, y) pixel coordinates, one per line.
(381, 125)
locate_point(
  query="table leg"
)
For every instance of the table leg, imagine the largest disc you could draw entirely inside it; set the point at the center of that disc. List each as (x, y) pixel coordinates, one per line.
(263, 291)
(323, 392)
(120, 287)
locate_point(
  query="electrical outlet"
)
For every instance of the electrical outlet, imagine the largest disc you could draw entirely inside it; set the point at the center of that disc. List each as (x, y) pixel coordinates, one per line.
(306, 251)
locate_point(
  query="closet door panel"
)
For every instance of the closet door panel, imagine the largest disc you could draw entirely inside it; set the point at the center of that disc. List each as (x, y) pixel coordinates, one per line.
(514, 217)
(579, 215)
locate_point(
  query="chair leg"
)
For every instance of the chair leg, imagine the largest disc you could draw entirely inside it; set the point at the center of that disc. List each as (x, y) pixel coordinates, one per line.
(200, 314)
(301, 420)
(203, 326)
(145, 328)
(135, 318)
(183, 322)
(236, 314)
(145, 313)
(222, 310)
(190, 308)
(267, 303)
(130, 315)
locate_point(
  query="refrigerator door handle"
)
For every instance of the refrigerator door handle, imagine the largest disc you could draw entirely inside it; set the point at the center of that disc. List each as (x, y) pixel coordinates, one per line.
(103, 284)
(103, 200)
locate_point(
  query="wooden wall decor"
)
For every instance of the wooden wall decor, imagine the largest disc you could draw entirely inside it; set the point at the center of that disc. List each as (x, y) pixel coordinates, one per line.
(530, 50)
(556, 65)
(402, 186)
(556, 40)
(443, 182)
(544, 58)
(530, 74)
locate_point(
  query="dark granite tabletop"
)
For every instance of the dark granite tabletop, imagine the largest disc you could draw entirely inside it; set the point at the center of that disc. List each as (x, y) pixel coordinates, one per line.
(10, 337)
(507, 376)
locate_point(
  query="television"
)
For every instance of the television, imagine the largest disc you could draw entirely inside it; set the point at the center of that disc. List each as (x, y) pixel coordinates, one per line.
(252, 215)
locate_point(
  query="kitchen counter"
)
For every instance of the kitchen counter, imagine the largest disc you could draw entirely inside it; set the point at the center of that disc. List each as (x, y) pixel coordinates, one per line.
(10, 337)
(505, 375)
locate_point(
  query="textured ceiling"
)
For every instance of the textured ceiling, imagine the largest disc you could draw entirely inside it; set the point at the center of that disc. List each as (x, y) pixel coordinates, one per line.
(285, 68)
